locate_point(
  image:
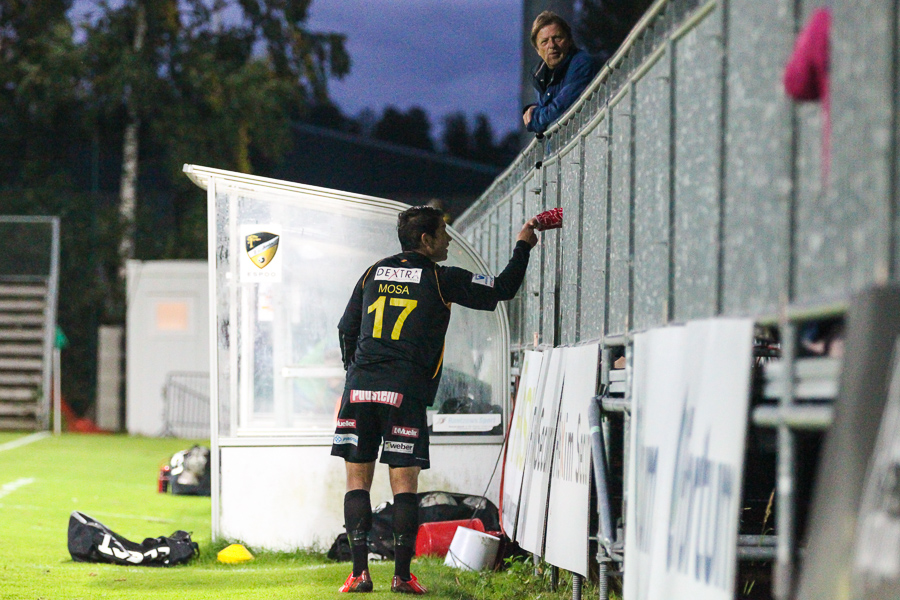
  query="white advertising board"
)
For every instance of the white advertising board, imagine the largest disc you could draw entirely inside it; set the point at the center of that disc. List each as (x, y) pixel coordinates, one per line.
(536, 482)
(690, 550)
(876, 554)
(517, 441)
(659, 382)
(568, 512)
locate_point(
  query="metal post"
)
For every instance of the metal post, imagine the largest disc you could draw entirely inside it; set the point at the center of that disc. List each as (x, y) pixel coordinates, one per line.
(603, 584)
(576, 586)
(57, 390)
(784, 553)
(211, 257)
(554, 578)
(598, 454)
(626, 426)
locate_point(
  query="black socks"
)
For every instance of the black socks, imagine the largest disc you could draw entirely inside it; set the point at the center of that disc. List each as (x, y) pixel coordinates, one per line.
(406, 525)
(358, 521)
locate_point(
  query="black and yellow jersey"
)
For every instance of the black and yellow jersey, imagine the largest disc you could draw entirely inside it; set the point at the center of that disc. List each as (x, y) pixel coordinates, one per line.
(393, 329)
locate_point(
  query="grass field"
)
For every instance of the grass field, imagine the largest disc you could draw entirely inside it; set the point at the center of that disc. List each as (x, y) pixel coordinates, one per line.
(113, 479)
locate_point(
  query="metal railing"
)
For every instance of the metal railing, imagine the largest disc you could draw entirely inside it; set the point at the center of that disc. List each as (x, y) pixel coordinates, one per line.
(186, 410)
(29, 286)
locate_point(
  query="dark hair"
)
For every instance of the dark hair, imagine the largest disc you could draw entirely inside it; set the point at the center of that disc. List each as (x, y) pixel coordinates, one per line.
(415, 221)
(549, 17)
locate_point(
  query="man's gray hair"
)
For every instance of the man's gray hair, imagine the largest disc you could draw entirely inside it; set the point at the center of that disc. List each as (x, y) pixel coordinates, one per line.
(548, 17)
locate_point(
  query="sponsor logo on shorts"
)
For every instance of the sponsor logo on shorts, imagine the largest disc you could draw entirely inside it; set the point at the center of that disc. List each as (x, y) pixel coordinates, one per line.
(483, 280)
(346, 438)
(392, 398)
(346, 423)
(398, 275)
(401, 447)
(405, 431)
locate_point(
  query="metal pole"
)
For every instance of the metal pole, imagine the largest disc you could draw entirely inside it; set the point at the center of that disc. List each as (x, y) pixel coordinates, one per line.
(57, 390)
(603, 583)
(598, 454)
(211, 257)
(784, 552)
(576, 586)
(626, 426)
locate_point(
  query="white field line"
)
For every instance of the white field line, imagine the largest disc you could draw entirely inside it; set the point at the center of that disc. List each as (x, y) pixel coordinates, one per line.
(24, 440)
(9, 488)
(93, 513)
(225, 569)
(134, 517)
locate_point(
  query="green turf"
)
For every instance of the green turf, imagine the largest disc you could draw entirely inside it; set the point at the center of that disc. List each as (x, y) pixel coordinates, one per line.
(113, 479)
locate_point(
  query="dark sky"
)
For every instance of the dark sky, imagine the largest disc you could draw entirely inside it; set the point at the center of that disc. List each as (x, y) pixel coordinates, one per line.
(442, 55)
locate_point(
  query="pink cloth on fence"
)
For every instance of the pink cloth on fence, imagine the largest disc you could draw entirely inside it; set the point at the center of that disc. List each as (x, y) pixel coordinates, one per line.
(806, 74)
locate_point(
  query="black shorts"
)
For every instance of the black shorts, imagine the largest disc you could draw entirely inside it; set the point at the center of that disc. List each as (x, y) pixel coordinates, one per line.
(368, 417)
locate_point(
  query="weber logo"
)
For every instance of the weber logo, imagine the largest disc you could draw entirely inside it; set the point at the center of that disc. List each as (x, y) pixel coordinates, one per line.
(346, 438)
(486, 280)
(392, 398)
(401, 447)
(398, 275)
(342, 423)
(405, 431)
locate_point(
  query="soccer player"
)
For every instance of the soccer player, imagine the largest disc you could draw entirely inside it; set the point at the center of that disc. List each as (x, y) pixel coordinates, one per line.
(392, 343)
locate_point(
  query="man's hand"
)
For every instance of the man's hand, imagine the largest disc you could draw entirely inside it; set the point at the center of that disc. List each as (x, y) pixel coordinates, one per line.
(527, 233)
(526, 116)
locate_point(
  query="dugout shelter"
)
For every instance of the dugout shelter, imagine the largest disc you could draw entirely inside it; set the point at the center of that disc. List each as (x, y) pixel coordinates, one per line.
(283, 259)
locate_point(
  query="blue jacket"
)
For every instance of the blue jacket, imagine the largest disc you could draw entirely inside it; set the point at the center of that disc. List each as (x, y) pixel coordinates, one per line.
(558, 89)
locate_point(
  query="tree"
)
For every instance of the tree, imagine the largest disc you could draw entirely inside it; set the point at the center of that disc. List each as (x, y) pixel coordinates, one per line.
(196, 87)
(604, 24)
(477, 143)
(456, 139)
(412, 128)
(41, 130)
(39, 73)
(188, 85)
(483, 149)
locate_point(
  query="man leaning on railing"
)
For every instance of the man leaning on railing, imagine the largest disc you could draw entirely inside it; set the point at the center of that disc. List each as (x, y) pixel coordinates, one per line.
(563, 73)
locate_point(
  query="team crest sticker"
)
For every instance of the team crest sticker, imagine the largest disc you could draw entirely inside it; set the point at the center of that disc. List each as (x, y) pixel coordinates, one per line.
(261, 247)
(263, 260)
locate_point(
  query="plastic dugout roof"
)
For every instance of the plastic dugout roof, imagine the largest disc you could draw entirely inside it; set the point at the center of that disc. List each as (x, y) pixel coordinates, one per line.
(317, 198)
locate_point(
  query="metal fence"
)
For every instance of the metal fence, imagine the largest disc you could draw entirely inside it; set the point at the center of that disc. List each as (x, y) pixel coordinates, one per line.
(186, 411)
(692, 186)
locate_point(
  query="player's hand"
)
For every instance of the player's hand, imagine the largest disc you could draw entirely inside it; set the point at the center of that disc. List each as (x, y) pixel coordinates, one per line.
(527, 233)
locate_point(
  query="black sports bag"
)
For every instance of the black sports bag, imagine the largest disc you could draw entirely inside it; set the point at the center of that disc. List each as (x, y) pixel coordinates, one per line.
(92, 541)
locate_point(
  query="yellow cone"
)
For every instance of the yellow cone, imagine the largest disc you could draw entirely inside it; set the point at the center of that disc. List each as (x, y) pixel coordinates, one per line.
(234, 553)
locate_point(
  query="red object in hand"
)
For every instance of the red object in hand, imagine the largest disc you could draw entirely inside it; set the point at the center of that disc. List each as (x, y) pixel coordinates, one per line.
(549, 219)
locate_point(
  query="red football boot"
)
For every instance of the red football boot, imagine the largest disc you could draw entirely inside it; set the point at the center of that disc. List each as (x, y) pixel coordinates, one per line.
(363, 583)
(407, 587)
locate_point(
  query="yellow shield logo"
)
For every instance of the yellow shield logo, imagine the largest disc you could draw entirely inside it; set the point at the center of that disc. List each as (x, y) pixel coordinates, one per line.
(261, 247)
